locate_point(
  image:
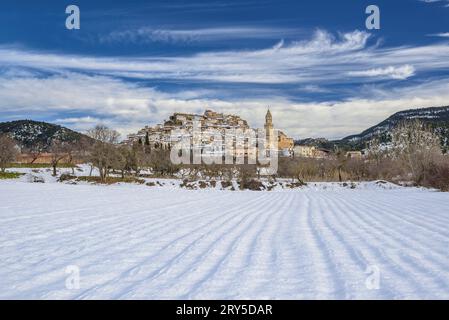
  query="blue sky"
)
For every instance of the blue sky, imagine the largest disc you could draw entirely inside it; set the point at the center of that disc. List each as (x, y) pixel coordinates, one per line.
(132, 63)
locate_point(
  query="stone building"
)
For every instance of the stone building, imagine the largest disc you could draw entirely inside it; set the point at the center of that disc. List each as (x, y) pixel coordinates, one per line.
(285, 143)
(161, 135)
(303, 151)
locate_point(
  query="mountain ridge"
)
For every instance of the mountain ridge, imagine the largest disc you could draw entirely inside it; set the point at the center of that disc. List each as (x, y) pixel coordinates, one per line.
(29, 133)
(426, 115)
(437, 118)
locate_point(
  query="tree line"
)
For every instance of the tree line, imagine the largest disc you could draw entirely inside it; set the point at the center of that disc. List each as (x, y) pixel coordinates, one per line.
(413, 156)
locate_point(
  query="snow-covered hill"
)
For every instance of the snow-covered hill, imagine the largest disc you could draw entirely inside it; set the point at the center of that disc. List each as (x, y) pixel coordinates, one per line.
(437, 118)
(31, 134)
(133, 241)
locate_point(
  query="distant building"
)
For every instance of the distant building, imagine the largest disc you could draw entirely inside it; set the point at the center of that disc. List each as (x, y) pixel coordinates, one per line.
(303, 151)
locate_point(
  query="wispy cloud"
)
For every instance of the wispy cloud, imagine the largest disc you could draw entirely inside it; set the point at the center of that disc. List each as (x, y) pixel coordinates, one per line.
(81, 90)
(442, 35)
(322, 59)
(313, 89)
(128, 107)
(401, 72)
(148, 34)
(445, 2)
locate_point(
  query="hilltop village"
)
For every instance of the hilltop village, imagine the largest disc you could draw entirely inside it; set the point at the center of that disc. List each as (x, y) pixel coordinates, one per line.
(160, 136)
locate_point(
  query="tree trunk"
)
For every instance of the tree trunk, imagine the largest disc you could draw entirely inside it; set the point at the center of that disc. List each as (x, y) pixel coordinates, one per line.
(102, 174)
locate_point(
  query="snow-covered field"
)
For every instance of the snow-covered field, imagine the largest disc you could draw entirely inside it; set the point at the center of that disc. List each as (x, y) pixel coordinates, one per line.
(134, 241)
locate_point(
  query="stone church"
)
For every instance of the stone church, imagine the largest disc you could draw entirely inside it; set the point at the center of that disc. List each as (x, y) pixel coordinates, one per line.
(285, 144)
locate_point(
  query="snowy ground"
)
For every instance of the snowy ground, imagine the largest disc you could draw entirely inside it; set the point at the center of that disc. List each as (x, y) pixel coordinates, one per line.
(134, 241)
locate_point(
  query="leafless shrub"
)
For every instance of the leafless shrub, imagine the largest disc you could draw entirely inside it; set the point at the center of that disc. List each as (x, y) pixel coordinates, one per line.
(437, 175)
(103, 151)
(415, 146)
(58, 150)
(159, 161)
(8, 151)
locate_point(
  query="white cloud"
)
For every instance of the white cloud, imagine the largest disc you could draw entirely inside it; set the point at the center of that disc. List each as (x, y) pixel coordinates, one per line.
(148, 34)
(401, 72)
(313, 89)
(128, 107)
(442, 35)
(322, 59)
(437, 1)
(89, 87)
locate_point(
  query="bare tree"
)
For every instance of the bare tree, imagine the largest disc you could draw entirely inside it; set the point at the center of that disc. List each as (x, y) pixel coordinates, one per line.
(341, 161)
(77, 151)
(122, 160)
(289, 168)
(8, 151)
(415, 145)
(138, 158)
(103, 149)
(35, 151)
(128, 159)
(58, 150)
(160, 163)
(376, 150)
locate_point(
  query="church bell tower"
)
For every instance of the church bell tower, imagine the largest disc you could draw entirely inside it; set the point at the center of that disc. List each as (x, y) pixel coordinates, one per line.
(268, 121)
(269, 127)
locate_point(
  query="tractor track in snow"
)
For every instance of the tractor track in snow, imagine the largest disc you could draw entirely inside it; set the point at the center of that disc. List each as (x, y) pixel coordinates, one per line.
(136, 242)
